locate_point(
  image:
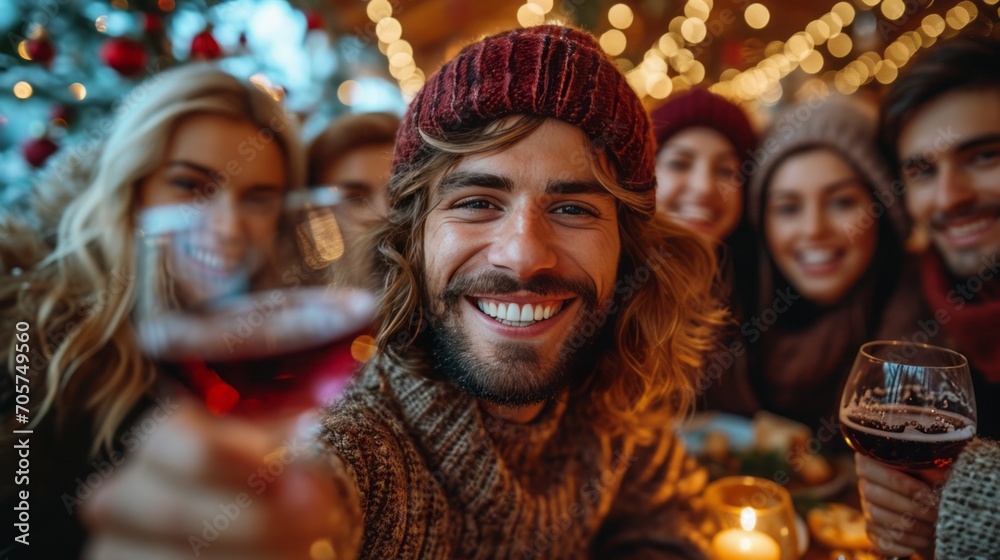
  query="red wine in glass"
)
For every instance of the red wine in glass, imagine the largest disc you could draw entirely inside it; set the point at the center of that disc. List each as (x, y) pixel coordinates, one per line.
(907, 436)
(908, 405)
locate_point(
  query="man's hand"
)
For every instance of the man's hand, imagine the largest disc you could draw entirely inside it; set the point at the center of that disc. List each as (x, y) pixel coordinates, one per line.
(208, 487)
(900, 510)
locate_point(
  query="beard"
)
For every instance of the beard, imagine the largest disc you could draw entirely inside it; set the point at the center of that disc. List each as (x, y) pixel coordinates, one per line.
(514, 373)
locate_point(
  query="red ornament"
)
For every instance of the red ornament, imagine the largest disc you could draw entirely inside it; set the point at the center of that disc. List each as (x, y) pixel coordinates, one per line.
(126, 56)
(40, 50)
(152, 23)
(38, 150)
(204, 46)
(314, 20)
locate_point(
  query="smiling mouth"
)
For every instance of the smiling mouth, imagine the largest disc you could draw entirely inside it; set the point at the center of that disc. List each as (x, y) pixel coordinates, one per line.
(519, 315)
(818, 259)
(211, 260)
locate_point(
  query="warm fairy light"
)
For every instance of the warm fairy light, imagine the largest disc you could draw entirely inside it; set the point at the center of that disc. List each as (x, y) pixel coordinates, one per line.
(613, 42)
(957, 17)
(696, 73)
(78, 91)
(347, 92)
(669, 44)
(620, 16)
(886, 71)
(693, 30)
(659, 86)
(545, 5)
(833, 22)
(22, 90)
(840, 45)
(728, 74)
(378, 10)
(682, 61)
(322, 549)
(893, 9)
(166, 5)
(400, 60)
(363, 348)
(388, 29)
(812, 62)
(798, 46)
(871, 3)
(845, 11)
(757, 16)
(22, 49)
(933, 25)
(819, 31)
(698, 9)
(530, 14)
(897, 53)
(101, 23)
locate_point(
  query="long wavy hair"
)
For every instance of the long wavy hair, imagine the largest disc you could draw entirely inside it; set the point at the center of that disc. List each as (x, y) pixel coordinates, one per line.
(76, 285)
(662, 327)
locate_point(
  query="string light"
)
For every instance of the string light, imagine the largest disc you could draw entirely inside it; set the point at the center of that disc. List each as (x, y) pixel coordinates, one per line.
(397, 51)
(620, 16)
(78, 91)
(22, 90)
(757, 16)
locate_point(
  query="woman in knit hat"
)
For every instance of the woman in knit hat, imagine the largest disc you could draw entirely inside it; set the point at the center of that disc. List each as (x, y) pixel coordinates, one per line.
(832, 232)
(705, 146)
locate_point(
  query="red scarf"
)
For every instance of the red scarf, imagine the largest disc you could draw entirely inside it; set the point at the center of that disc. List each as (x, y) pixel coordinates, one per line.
(973, 325)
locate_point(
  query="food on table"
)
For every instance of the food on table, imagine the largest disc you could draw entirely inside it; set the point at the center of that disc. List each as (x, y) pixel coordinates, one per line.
(838, 526)
(773, 433)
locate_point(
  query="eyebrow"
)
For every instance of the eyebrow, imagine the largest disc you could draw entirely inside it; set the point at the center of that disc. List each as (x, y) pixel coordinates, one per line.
(971, 143)
(191, 165)
(461, 179)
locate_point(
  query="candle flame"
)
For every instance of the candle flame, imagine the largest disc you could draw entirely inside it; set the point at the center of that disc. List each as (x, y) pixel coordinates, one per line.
(748, 519)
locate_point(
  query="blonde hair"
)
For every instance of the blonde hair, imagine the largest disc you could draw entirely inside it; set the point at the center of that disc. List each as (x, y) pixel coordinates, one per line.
(79, 296)
(659, 333)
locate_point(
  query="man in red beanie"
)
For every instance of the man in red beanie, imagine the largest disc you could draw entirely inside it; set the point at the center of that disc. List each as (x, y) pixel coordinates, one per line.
(540, 330)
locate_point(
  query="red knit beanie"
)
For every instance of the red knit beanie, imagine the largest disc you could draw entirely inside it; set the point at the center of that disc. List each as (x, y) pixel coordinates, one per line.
(548, 71)
(701, 107)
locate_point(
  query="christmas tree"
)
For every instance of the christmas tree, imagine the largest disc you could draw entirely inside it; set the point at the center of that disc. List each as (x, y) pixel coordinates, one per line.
(66, 64)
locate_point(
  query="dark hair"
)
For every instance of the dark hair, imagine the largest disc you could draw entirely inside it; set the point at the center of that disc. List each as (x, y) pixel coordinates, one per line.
(348, 133)
(967, 62)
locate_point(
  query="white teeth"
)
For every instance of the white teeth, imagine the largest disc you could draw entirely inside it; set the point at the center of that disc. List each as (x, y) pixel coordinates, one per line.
(208, 259)
(526, 313)
(817, 256)
(513, 312)
(970, 228)
(694, 213)
(518, 315)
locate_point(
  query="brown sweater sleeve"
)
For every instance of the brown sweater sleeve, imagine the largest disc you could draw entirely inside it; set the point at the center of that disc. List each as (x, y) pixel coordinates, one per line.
(969, 515)
(403, 512)
(654, 515)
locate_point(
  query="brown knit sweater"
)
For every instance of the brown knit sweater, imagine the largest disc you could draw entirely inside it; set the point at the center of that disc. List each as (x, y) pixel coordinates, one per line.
(440, 478)
(969, 516)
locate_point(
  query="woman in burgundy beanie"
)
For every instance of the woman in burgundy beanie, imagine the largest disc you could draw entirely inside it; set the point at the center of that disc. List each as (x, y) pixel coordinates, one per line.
(705, 147)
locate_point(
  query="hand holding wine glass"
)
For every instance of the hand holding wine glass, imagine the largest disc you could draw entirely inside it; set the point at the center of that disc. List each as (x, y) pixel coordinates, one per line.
(907, 410)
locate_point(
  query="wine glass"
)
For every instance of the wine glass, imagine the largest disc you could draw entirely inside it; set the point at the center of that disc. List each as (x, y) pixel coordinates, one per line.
(910, 406)
(232, 311)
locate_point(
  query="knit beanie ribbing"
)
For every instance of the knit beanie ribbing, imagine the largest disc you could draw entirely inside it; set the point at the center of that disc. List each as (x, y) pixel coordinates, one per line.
(547, 71)
(841, 124)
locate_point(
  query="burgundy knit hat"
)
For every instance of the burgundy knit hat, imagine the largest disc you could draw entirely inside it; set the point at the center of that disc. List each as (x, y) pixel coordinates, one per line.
(545, 70)
(701, 107)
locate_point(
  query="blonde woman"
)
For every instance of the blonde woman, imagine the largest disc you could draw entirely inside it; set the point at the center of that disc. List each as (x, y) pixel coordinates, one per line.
(194, 138)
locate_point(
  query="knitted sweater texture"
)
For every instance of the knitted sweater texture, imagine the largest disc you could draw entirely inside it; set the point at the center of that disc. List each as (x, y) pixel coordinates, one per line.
(969, 516)
(438, 477)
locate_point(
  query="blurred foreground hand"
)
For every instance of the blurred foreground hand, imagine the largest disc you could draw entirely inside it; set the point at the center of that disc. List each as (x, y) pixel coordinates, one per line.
(257, 325)
(212, 487)
(900, 509)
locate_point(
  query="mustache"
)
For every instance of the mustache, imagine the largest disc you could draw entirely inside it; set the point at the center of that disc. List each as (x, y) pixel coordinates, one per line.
(496, 282)
(940, 219)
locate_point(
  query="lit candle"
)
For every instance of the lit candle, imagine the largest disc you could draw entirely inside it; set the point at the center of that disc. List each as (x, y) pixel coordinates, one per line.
(745, 543)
